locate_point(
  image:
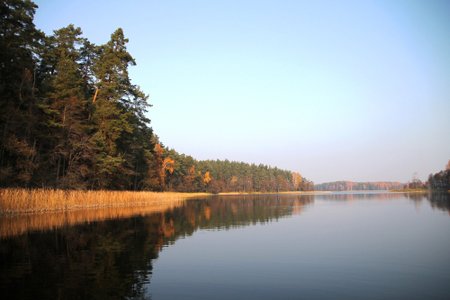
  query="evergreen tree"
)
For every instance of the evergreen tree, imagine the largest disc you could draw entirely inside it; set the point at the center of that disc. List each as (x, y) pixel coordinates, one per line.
(66, 111)
(71, 118)
(19, 40)
(112, 115)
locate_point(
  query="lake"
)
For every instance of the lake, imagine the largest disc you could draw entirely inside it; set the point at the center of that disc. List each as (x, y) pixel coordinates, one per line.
(335, 246)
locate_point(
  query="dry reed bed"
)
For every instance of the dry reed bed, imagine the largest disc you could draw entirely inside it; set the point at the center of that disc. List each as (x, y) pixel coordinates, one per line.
(18, 201)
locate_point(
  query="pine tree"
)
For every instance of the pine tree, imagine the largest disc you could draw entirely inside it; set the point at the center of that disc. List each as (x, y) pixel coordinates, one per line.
(66, 111)
(110, 116)
(19, 40)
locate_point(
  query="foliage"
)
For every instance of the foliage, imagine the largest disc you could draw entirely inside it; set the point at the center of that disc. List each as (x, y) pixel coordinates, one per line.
(72, 119)
(440, 180)
(229, 176)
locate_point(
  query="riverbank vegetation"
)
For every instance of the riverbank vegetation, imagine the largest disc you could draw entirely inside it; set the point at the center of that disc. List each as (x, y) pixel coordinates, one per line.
(439, 181)
(72, 119)
(13, 201)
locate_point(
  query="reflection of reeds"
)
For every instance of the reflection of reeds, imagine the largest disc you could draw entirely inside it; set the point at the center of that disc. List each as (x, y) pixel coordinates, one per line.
(13, 225)
(14, 201)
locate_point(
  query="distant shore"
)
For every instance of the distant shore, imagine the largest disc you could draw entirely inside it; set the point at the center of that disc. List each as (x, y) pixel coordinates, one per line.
(25, 201)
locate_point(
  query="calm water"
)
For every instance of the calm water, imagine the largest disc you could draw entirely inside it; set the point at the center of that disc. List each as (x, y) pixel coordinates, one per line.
(339, 246)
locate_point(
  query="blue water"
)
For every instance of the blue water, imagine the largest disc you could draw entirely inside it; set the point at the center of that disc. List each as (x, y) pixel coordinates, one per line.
(337, 246)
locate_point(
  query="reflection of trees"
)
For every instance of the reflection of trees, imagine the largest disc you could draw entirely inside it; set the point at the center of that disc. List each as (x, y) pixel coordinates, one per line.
(96, 260)
(440, 200)
(359, 196)
(113, 258)
(232, 211)
(20, 224)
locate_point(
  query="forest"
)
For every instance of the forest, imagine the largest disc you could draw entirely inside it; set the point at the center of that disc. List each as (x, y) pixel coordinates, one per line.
(71, 118)
(440, 180)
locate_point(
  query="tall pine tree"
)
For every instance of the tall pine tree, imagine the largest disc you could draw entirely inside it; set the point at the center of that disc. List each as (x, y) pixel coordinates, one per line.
(117, 104)
(19, 40)
(66, 135)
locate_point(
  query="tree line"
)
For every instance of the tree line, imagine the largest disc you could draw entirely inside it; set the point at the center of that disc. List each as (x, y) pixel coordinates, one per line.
(217, 176)
(72, 118)
(440, 180)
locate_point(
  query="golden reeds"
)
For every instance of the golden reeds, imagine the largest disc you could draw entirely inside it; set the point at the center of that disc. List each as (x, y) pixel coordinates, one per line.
(14, 201)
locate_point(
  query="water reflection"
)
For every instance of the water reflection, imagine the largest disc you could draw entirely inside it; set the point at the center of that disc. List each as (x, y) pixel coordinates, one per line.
(113, 258)
(12, 225)
(438, 200)
(360, 195)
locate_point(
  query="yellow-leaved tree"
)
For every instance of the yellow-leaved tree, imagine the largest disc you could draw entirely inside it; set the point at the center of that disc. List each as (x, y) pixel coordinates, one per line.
(207, 178)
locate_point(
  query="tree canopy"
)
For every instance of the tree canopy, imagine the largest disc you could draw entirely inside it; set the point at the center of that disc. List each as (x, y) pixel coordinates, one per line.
(72, 118)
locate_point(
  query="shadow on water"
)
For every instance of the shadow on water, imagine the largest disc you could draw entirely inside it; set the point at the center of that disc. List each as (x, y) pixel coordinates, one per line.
(359, 195)
(437, 200)
(112, 258)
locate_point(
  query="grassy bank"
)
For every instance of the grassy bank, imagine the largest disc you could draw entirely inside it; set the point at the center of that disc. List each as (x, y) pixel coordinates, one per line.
(14, 201)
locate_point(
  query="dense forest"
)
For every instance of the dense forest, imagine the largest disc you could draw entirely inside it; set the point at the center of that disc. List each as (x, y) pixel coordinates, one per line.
(71, 118)
(440, 180)
(357, 186)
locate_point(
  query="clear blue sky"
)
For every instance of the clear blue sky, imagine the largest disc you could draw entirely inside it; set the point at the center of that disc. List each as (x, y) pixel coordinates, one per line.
(355, 90)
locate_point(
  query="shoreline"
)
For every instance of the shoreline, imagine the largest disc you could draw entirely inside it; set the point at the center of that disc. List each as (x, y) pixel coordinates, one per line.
(21, 201)
(18, 201)
(40, 201)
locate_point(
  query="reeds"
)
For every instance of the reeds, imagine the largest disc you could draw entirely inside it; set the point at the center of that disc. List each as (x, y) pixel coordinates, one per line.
(16, 201)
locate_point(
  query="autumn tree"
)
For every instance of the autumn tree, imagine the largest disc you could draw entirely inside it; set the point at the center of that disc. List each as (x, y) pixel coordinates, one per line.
(296, 181)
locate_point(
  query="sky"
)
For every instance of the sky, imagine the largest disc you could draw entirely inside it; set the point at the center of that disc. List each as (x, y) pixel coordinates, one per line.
(336, 90)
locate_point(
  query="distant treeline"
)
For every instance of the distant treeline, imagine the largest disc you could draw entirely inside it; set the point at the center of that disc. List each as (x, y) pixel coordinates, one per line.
(436, 182)
(440, 180)
(189, 174)
(71, 118)
(360, 186)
